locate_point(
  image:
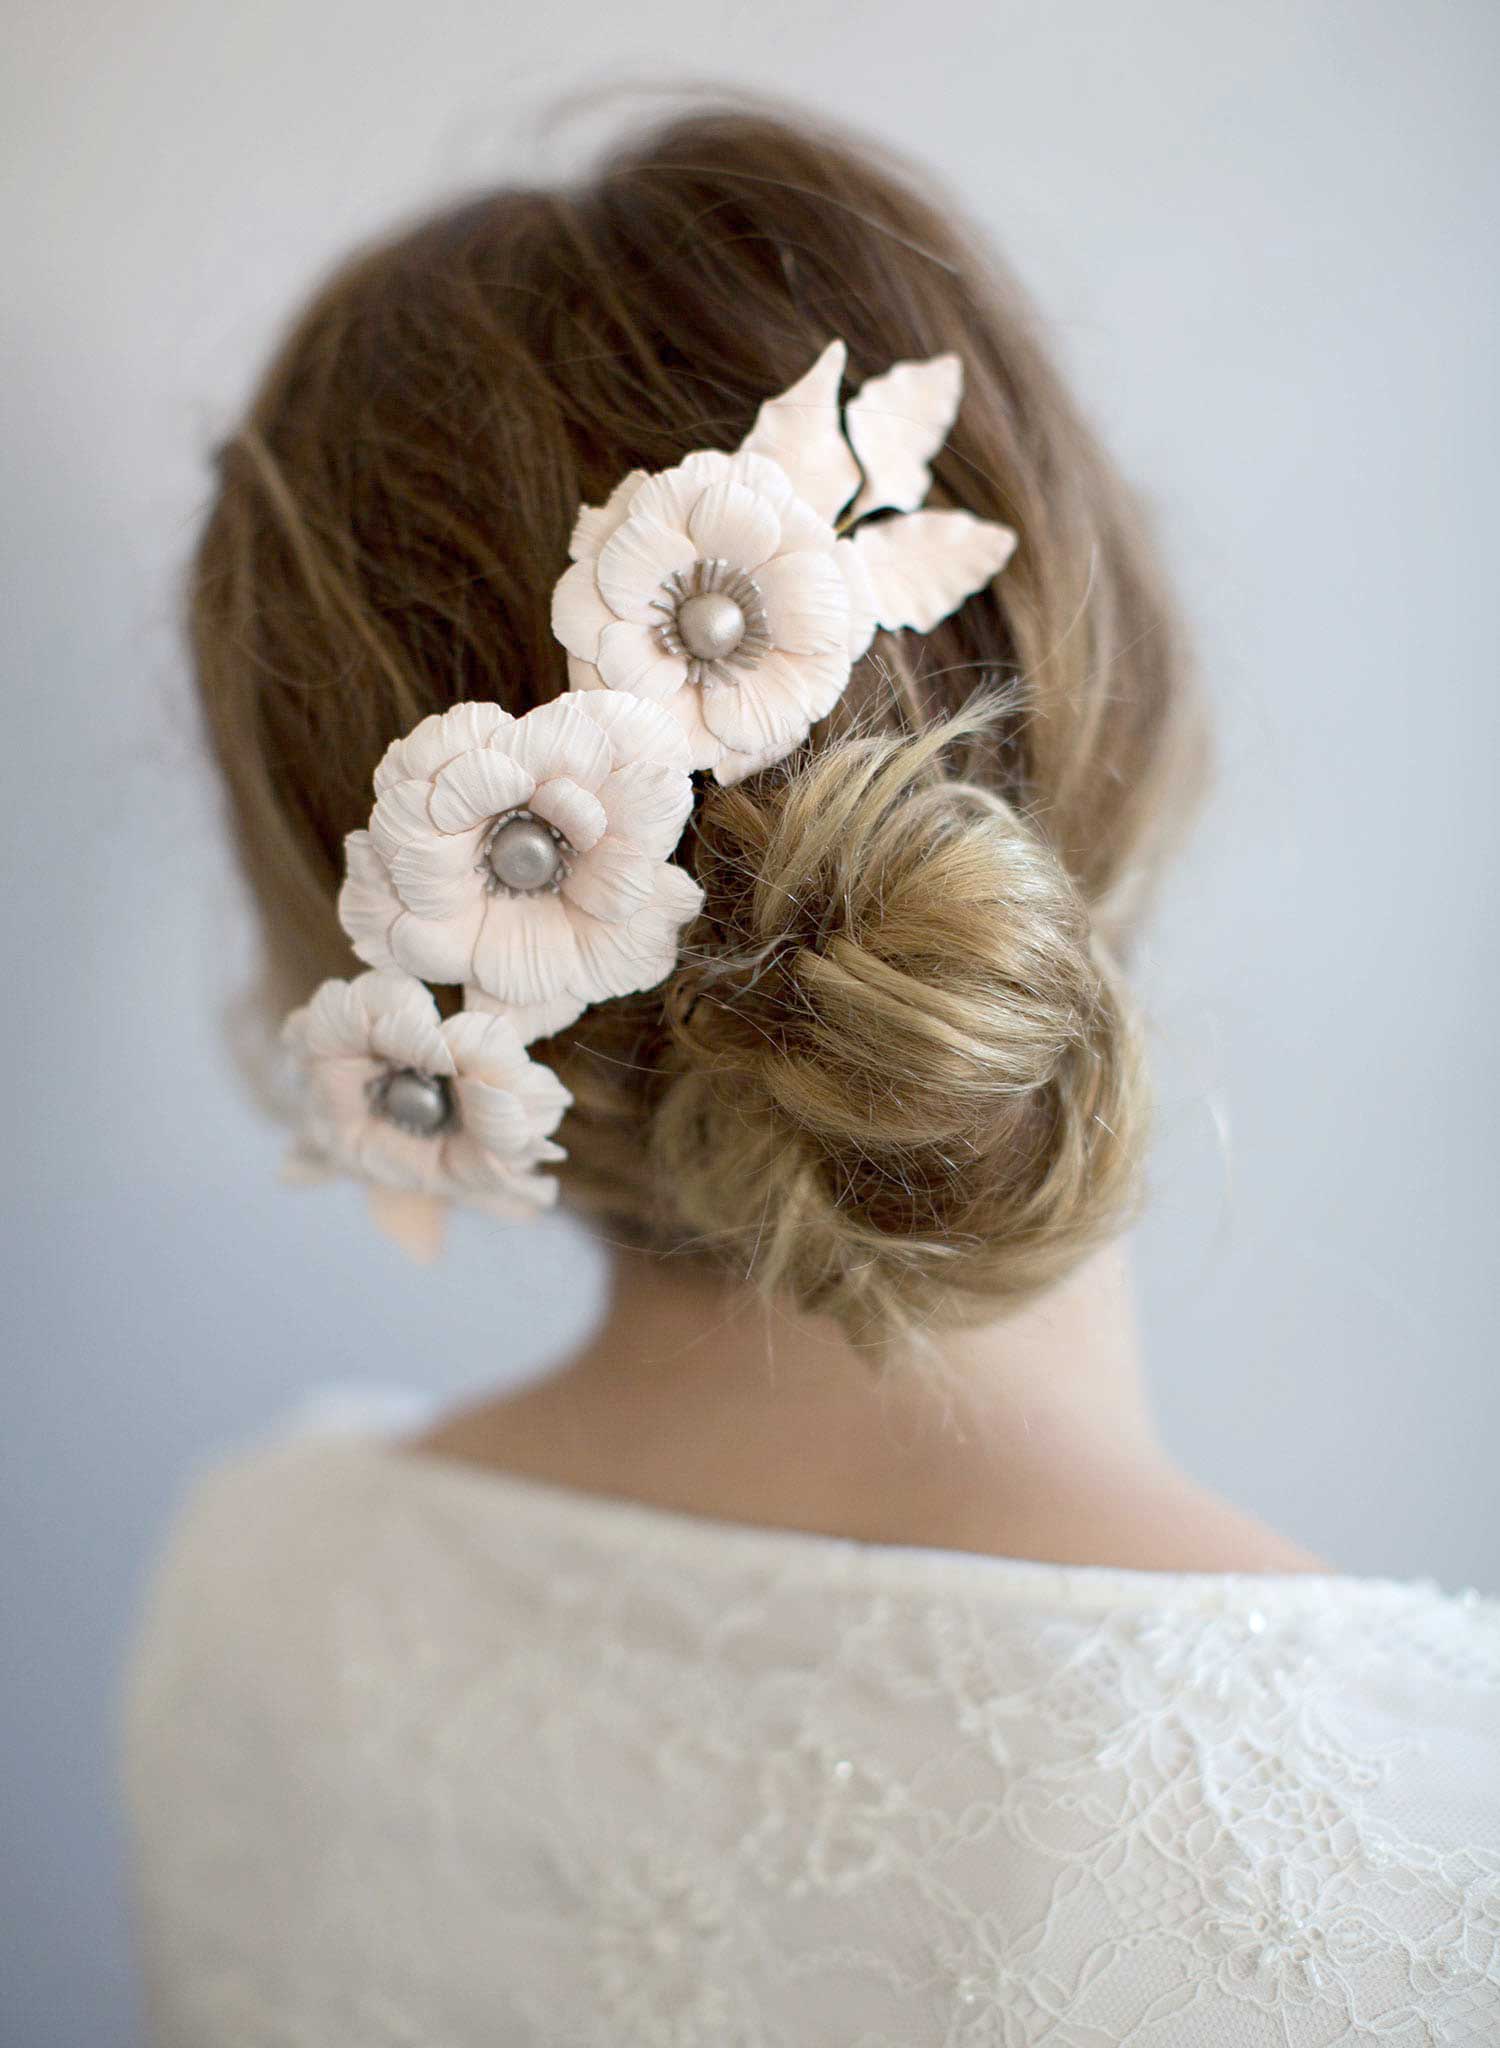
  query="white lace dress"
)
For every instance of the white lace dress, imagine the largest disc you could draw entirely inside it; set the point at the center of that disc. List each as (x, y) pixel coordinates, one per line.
(422, 1757)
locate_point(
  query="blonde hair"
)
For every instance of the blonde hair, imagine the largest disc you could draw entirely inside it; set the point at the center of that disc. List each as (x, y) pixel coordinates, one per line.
(895, 1078)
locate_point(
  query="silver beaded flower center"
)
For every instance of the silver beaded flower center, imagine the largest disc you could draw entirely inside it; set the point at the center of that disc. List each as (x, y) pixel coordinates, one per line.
(523, 855)
(420, 1104)
(714, 617)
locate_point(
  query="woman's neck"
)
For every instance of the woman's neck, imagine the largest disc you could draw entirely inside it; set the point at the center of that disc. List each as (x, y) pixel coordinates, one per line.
(1031, 1436)
(1066, 1367)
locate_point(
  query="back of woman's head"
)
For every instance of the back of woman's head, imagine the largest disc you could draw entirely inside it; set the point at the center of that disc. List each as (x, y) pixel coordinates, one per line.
(893, 1076)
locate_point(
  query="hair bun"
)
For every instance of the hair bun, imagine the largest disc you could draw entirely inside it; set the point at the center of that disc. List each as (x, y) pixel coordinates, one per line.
(905, 1090)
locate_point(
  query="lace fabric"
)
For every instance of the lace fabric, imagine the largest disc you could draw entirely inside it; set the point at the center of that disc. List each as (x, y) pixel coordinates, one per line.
(422, 1757)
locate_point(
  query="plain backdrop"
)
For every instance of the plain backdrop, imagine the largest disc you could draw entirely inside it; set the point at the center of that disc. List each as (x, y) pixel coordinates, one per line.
(1263, 236)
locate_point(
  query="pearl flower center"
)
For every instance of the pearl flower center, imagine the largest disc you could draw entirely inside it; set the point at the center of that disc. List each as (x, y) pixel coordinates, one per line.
(710, 625)
(419, 1104)
(524, 855)
(714, 618)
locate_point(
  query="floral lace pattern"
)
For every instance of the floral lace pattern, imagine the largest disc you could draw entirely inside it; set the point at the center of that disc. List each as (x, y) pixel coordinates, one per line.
(421, 1755)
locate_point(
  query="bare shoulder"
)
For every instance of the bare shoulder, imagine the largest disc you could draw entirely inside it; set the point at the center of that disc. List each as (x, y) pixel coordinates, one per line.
(1182, 1526)
(1131, 1516)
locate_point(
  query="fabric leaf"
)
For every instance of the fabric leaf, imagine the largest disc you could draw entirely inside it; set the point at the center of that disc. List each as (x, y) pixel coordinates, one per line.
(897, 424)
(922, 565)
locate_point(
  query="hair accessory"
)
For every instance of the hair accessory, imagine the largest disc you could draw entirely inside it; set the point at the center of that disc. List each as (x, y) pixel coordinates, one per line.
(428, 1111)
(527, 859)
(711, 616)
(731, 591)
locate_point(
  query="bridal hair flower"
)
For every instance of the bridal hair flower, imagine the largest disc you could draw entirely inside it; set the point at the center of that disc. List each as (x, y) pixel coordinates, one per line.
(737, 590)
(427, 1110)
(527, 858)
(711, 616)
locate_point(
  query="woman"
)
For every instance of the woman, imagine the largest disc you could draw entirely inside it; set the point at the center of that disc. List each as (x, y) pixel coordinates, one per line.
(677, 637)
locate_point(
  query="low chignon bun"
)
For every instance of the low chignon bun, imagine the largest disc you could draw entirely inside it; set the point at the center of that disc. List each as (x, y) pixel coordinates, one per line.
(905, 1086)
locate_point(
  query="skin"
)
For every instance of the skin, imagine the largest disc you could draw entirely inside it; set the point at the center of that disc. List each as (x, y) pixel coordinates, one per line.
(1031, 1437)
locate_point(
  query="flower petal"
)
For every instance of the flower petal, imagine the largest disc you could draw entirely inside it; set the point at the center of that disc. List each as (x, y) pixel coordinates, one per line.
(404, 1025)
(922, 565)
(579, 613)
(525, 951)
(733, 767)
(776, 703)
(339, 1097)
(670, 495)
(440, 949)
(801, 526)
(435, 741)
(648, 805)
(381, 1152)
(677, 897)
(505, 1123)
(800, 430)
(632, 658)
(807, 602)
(577, 813)
(861, 598)
(595, 523)
(437, 880)
(731, 523)
(559, 738)
(622, 959)
(532, 1020)
(484, 1040)
(496, 1121)
(517, 1116)
(333, 1024)
(401, 818)
(478, 786)
(487, 1048)
(412, 1221)
(897, 424)
(821, 679)
(637, 730)
(686, 710)
(368, 904)
(763, 713)
(635, 562)
(611, 882)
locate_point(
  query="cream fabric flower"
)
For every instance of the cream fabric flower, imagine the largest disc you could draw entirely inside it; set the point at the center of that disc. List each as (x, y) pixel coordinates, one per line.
(428, 1111)
(727, 589)
(719, 594)
(527, 858)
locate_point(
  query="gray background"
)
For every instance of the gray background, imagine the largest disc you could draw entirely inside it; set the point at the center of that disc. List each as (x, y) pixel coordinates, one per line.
(1263, 236)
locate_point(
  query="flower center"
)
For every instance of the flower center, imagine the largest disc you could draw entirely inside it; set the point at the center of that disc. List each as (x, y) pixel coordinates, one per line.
(710, 625)
(524, 855)
(419, 1104)
(714, 617)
